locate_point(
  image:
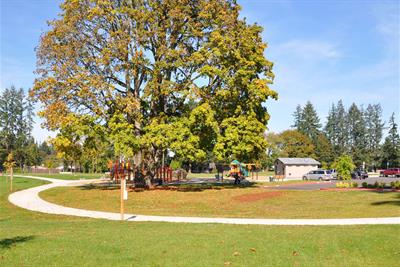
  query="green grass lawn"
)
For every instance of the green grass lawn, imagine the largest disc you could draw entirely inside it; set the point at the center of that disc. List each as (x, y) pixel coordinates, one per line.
(67, 176)
(231, 201)
(261, 175)
(35, 239)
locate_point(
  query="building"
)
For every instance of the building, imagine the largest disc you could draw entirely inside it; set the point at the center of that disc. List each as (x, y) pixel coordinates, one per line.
(294, 168)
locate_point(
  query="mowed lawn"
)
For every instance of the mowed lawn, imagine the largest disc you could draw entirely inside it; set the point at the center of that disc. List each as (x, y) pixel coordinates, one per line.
(35, 239)
(230, 201)
(66, 176)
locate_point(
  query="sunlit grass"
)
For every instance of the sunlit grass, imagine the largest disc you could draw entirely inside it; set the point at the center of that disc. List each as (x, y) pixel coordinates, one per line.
(231, 201)
(34, 239)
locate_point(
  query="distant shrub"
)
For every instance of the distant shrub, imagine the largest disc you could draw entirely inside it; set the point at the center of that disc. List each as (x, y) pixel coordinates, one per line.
(365, 185)
(344, 165)
(395, 185)
(346, 185)
(381, 185)
(175, 164)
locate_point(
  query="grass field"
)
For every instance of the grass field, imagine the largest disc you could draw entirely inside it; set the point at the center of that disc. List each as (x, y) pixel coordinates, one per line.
(34, 239)
(231, 201)
(263, 175)
(67, 176)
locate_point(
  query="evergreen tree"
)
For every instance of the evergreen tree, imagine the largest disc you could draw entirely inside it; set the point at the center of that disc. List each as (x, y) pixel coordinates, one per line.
(374, 133)
(297, 117)
(391, 146)
(331, 129)
(16, 122)
(323, 150)
(357, 134)
(341, 129)
(309, 124)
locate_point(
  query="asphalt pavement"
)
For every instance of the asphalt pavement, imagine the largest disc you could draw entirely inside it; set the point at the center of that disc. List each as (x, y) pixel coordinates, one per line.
(330, 184)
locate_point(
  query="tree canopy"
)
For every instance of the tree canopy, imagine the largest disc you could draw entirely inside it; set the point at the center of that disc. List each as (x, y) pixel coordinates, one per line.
(295, 145)
(190, 76)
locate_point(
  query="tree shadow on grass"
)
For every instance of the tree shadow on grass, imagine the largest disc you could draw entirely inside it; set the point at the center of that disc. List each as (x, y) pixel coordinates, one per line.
(181, 187)
(10, 242)
(101, 186)
(209, 186)
(395, 202)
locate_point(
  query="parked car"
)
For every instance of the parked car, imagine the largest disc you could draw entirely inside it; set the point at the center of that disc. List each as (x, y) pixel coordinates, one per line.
(333, 172)
(359, 174)
(391, 172)
(320, 175)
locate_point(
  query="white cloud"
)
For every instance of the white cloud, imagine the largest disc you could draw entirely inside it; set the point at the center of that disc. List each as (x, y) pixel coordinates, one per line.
(387, 17)
(313, 50)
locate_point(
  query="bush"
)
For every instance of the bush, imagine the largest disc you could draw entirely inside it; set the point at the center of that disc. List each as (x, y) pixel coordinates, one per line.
(346, 185)
(175, 164)
(395, 185)
(365, 185)
(344, 165)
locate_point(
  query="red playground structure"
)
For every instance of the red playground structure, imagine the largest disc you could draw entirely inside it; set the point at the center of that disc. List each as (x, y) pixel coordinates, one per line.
(164, 173)
(124, 169)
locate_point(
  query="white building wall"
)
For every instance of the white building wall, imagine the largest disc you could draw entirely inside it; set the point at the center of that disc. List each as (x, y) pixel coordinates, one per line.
(297, 171)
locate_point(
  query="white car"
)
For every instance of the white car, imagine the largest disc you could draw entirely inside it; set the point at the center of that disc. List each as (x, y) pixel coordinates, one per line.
(320, 175)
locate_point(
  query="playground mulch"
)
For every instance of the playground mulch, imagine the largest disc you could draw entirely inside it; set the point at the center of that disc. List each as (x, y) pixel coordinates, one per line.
(257, 196)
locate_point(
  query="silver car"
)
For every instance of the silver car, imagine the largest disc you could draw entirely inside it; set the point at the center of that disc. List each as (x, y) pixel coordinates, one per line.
(320, 175)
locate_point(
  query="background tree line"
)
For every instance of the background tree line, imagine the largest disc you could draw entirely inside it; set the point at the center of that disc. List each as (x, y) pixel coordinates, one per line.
(16, 123)
(356, 131)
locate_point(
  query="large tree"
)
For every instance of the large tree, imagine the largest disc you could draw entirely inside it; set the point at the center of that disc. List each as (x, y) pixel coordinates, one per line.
(190, 73)
(374, 125)
(297, 115)
(331, 127)
(357, 134)
(16, 122)
(308, 121)
(323, 150)
(341, 129)
(294, 144)
(391, 146)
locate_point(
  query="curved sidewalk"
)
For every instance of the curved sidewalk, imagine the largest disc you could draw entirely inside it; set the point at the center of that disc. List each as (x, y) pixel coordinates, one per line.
(29, 199)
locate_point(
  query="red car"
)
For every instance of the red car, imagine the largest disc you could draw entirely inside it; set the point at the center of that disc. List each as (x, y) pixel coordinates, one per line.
(391, 172)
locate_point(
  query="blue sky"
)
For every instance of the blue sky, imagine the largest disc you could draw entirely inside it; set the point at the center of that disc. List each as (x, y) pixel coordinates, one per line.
(322, 51)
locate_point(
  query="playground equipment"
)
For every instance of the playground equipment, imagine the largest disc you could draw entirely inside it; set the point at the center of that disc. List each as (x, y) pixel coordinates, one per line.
(241, 171)
(164, 174)
(121, 169)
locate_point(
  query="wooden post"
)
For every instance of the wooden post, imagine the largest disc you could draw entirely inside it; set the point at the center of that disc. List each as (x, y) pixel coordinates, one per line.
(122, 196)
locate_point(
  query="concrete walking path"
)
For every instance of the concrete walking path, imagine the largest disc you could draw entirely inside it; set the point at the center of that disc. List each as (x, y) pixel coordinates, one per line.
(29, 199)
